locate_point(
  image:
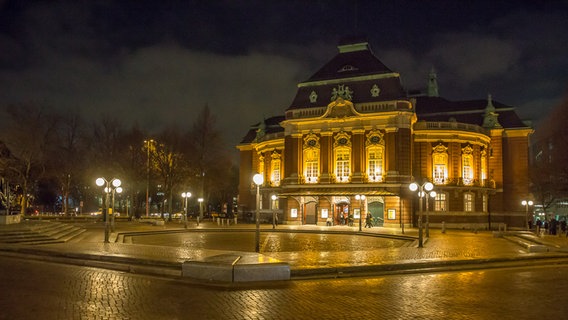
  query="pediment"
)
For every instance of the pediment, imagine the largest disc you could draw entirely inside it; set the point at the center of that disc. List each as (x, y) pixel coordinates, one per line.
(340, 108)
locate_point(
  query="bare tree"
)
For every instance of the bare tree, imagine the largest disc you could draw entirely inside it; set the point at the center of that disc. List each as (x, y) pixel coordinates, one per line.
(209, 160)
(28, 133)
(170, 164)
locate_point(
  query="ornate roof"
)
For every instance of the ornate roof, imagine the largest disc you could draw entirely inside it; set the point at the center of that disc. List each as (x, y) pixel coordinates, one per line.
(354, 69)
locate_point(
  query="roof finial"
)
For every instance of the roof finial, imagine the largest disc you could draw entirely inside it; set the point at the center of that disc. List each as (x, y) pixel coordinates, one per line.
(490, 107)
(433, 84)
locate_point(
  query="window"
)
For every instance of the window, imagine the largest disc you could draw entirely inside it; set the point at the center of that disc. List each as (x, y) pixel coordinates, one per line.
(467, 165)
(485, 203)
(311, 158)
(375, 164)
(440, 203)
(342, 161)
(483, 166)
(440, 164)
(275, 170)
(467, 168)
(261, 164)
(468, 202)
(375, 155)
(311, 164)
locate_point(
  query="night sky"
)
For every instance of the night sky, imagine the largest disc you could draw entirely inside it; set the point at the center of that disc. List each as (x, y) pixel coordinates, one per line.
(158, 63)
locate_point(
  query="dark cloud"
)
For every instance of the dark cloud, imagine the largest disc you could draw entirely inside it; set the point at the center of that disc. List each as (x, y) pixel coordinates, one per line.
(159, 63)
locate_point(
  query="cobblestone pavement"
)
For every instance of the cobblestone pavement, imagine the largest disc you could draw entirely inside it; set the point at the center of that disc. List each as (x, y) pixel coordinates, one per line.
(42, 290)
(173, 245)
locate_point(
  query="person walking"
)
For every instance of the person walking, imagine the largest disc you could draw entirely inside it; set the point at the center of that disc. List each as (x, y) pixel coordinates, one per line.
(369, 221)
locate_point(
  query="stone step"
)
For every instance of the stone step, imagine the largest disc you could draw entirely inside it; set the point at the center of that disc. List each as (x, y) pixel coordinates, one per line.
(237, 267)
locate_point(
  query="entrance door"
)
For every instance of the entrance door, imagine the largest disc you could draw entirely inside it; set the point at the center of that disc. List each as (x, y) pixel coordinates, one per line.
(341, 213)
(311, 213)
(377, 211)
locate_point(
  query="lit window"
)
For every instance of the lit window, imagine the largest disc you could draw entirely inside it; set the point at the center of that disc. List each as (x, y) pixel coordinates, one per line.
(342, 161)
(375, 164)
(440, 164)
(261, 164)
(484, 203)
(440, 202)
(275, 171)
(467, 165)
(483, 165)
(311, 164)
(468, 202)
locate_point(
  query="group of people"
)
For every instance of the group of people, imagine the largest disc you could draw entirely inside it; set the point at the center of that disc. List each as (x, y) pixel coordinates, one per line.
(550, 226)
(347, 219)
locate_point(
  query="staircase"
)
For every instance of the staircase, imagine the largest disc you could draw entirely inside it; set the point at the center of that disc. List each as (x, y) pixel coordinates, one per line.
(35, 233)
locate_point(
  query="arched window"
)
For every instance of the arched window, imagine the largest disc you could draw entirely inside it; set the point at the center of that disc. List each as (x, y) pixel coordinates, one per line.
(342, 162)
(375, 164)
(483, 166)
(467, 165)
(342, 157)
(261, 164)
(375, 156)
(440, 164)
(311, 165)
(275, 167)
(311, 158)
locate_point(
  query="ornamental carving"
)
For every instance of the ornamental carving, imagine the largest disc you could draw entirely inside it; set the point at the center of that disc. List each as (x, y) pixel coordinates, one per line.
(311, 140)
(375, 91)
(313, 97)
(342, 139)
(342, 91)
(275, 155)
(467, 150)
(440, 148)
(375, 137)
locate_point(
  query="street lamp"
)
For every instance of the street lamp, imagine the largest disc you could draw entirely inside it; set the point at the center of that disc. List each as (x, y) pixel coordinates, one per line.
(185, 196)
(431, 194)
(428, 186)
(119, 190)
(258, 179)
(200, 200)
(360, 198)
(110, 186)
(527, 203)
(274, 198)
(147, 142)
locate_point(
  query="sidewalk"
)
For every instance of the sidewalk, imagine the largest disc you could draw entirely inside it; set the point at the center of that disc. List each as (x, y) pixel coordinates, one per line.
(441, 250)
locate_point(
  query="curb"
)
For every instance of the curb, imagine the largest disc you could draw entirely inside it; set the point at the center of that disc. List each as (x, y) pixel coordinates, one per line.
(174, 270)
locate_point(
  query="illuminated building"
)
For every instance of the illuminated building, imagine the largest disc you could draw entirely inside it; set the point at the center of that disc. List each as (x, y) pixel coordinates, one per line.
(352, 129)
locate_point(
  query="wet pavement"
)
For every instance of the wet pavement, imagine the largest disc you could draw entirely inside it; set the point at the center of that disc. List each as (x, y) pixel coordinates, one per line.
(325, 251)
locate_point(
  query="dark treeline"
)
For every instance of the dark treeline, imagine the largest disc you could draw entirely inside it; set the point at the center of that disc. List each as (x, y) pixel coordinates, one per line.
(49, 161)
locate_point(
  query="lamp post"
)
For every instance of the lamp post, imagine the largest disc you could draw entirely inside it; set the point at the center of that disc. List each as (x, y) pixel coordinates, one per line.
(527, 203)
(200, 200)
(110, 186)
(431, 194)
(274, 198)
(428, 186)
(147, 142)
(119, 190)
(360, 197)
(185, 196)
(258, 179)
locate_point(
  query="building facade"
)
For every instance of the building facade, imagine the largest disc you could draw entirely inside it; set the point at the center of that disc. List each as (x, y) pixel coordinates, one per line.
(353, 139)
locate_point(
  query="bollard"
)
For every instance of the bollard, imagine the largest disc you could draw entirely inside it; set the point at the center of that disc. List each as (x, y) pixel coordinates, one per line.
(235, 219)
(198, 221)
(443, 226)
(218, 221)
